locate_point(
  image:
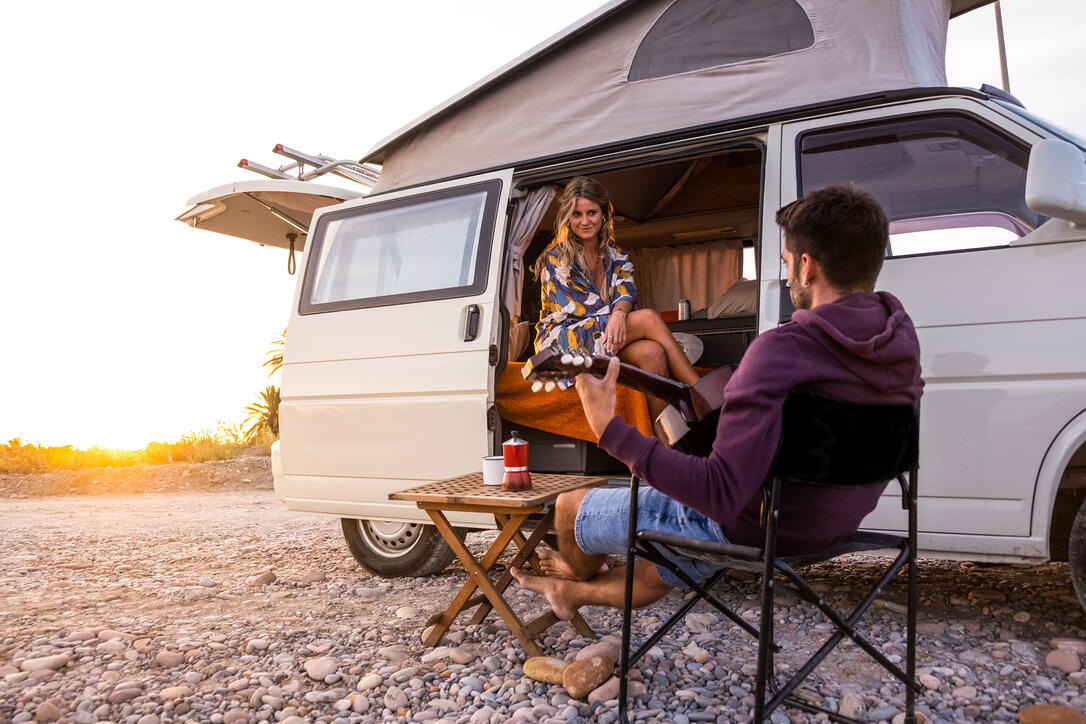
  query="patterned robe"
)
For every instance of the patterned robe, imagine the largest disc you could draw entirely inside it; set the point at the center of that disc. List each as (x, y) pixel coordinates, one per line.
(574, 312)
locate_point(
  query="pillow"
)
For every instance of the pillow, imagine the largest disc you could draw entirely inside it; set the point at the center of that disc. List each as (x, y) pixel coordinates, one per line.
(741, 300)
(520, 335)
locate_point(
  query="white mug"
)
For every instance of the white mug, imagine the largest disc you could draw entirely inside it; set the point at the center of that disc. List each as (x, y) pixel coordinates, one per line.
(493, 469)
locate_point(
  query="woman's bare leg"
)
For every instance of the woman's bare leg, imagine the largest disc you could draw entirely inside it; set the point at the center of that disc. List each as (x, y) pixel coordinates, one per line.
(647, 324)
(648, 355)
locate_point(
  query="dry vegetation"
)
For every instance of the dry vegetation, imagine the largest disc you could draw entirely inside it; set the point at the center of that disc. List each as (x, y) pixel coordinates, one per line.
(223, 443)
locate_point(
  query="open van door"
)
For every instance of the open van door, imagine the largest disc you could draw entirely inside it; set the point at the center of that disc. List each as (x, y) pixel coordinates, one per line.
(389, 362)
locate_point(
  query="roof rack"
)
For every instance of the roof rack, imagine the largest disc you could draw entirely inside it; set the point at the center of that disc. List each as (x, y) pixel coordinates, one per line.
(362, 173)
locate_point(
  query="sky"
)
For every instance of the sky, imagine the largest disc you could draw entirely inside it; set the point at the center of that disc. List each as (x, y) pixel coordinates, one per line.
(122, 326)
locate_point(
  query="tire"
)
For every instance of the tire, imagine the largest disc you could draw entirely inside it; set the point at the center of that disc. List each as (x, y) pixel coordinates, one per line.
(1077, 554)
(396, 550)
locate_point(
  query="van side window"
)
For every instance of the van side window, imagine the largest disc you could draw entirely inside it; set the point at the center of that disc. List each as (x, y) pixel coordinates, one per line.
(947, 183)
(427, 247)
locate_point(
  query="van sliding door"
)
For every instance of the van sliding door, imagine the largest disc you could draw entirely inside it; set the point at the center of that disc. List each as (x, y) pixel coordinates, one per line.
(387, 375)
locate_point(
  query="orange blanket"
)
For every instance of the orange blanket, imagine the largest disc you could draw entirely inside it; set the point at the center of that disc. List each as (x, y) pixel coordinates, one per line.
(560, 412)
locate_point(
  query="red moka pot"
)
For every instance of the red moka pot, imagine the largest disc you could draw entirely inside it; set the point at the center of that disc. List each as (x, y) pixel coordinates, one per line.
(515, 454)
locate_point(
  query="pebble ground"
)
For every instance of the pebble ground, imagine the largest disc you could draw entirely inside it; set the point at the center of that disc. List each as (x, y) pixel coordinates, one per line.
(146, 609)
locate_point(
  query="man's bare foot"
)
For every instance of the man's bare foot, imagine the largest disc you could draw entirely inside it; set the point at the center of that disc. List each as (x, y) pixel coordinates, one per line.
(552, 589)
(555, 564)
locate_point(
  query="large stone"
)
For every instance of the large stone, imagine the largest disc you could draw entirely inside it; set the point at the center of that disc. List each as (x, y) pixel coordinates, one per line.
(1066, 660)
(313, 577)
(113, 646)
(583, 676)
(1050, 714)
(370, 681)
(547, 669)
(1076, 645)
(54, 662)
(900, 718)
(609, 690)
(46, 711)
(169, 659)
(320, 668)
(851, 705)
(930, 682)
(461, 655)
(610, 649)
(175, 692)
(261, 579)
(236, 716)
(933, 628)
(123, 695)
(108, 634)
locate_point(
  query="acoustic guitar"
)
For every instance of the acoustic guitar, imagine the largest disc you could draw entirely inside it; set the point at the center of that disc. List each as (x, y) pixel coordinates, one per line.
(688, 424)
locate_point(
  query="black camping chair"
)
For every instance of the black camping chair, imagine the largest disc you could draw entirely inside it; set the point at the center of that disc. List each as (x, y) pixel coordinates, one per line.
(824, 442)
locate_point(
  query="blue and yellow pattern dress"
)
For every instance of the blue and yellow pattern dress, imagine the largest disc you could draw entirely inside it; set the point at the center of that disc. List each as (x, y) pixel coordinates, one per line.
(575, 312)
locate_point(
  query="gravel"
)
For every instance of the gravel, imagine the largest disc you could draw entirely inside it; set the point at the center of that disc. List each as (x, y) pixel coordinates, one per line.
(147, 609)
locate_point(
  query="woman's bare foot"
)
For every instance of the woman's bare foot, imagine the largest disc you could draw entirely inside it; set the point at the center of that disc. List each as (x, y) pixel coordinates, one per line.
(551, 588)
(555, 564)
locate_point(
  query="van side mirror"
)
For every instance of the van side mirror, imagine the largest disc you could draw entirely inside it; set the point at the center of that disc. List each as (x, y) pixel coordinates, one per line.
(1056, 181)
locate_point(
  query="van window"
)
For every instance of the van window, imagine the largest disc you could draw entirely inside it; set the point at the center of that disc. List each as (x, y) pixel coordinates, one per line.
(433, 246)
(947, 183)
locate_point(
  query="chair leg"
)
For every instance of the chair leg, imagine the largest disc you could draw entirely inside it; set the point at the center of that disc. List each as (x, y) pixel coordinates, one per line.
(910, 614)
(765, 635)
(627, 604)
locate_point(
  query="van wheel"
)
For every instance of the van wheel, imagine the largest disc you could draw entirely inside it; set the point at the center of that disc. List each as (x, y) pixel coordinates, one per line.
(393, 550)
(1076, 554)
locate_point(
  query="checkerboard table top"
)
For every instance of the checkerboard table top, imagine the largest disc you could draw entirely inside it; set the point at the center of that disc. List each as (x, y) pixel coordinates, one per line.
(470, 490)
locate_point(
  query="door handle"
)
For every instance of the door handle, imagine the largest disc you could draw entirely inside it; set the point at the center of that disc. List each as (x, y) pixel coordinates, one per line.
(471, 322)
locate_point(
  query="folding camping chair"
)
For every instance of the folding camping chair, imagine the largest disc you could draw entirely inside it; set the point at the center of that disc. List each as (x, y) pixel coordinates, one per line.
(825, 442)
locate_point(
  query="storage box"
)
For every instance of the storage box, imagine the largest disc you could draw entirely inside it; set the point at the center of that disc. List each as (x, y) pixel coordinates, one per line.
(549, 453)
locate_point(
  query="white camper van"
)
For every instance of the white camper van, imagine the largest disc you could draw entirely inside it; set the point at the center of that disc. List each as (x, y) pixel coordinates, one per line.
(413, 311)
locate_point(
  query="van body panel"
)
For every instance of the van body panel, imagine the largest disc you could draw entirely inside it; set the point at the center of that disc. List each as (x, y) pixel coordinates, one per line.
(1002, 333)
(385, 397)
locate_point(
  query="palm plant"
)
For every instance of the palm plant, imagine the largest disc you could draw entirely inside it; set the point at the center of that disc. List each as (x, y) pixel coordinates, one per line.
(263, 415)
(274, 356)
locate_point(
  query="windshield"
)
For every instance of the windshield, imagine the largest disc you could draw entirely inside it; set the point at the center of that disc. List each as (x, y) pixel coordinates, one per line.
(1053, 129)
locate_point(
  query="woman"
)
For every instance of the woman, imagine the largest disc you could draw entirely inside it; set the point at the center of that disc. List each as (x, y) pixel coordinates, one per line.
(588, 293)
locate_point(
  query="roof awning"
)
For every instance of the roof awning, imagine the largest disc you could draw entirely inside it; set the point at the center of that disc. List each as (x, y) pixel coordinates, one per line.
(269, 212)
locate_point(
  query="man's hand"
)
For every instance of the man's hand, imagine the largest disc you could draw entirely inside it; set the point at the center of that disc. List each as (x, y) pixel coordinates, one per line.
(598, 397)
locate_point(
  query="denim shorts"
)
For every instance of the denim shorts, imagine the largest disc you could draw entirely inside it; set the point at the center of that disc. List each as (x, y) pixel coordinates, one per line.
(604, 516)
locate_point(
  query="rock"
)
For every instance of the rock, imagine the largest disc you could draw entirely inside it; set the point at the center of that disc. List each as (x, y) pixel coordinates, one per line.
(175, 692)
(405, 612)
(46, 711)
(930, 682)
(437, 654)
(395, 698)
(82, 635)
(1066, 660)
(370, 681)
(1076, 645)
(149, 719)
(920, 718)
(313, 577)
(609, 690)
(261, 579)
(1050, 714)
(257, 645)
(610, 649)
(393, 654)
(123, 695)
(965, 692)
(851, 705)
(547, 669)
(113, 646)
(581, 677)
(51, 663)
(235, 716)
(934, 628)
(1022, 617)
(320, 668)
(107, 634)
(208, 582)
(461, 655)
(696, 653)
(169, 659)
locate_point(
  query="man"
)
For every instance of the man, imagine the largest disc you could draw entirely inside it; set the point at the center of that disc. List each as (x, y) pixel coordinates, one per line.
(844, 340)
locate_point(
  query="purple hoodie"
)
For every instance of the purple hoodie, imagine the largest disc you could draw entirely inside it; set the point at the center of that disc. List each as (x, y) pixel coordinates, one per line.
(861, 348)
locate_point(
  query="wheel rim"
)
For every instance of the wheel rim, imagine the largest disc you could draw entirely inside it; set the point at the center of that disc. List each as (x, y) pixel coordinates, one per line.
(390, 539)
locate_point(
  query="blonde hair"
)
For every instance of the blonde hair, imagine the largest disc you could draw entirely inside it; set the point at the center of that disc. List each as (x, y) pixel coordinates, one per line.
(566, 243)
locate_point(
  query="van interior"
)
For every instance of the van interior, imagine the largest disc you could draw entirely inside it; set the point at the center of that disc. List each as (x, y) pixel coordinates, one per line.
(691, 227)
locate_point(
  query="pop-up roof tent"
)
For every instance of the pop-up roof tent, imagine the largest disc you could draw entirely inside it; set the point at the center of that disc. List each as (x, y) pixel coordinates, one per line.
(636, 68)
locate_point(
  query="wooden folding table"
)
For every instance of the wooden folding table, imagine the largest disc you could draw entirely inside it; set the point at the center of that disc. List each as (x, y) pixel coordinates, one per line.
(511, 510)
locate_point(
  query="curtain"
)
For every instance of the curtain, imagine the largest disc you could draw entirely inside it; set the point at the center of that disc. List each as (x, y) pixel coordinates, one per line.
(698, 272)
(527, 213)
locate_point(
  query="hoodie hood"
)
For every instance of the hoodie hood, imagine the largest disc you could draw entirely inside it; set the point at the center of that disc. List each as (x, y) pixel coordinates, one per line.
(870, 334)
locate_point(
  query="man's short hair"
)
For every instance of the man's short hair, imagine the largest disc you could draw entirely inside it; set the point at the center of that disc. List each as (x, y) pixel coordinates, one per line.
(844, 229)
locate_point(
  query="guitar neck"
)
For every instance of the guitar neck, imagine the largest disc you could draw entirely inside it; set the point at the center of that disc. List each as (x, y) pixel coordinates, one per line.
(673, 393)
